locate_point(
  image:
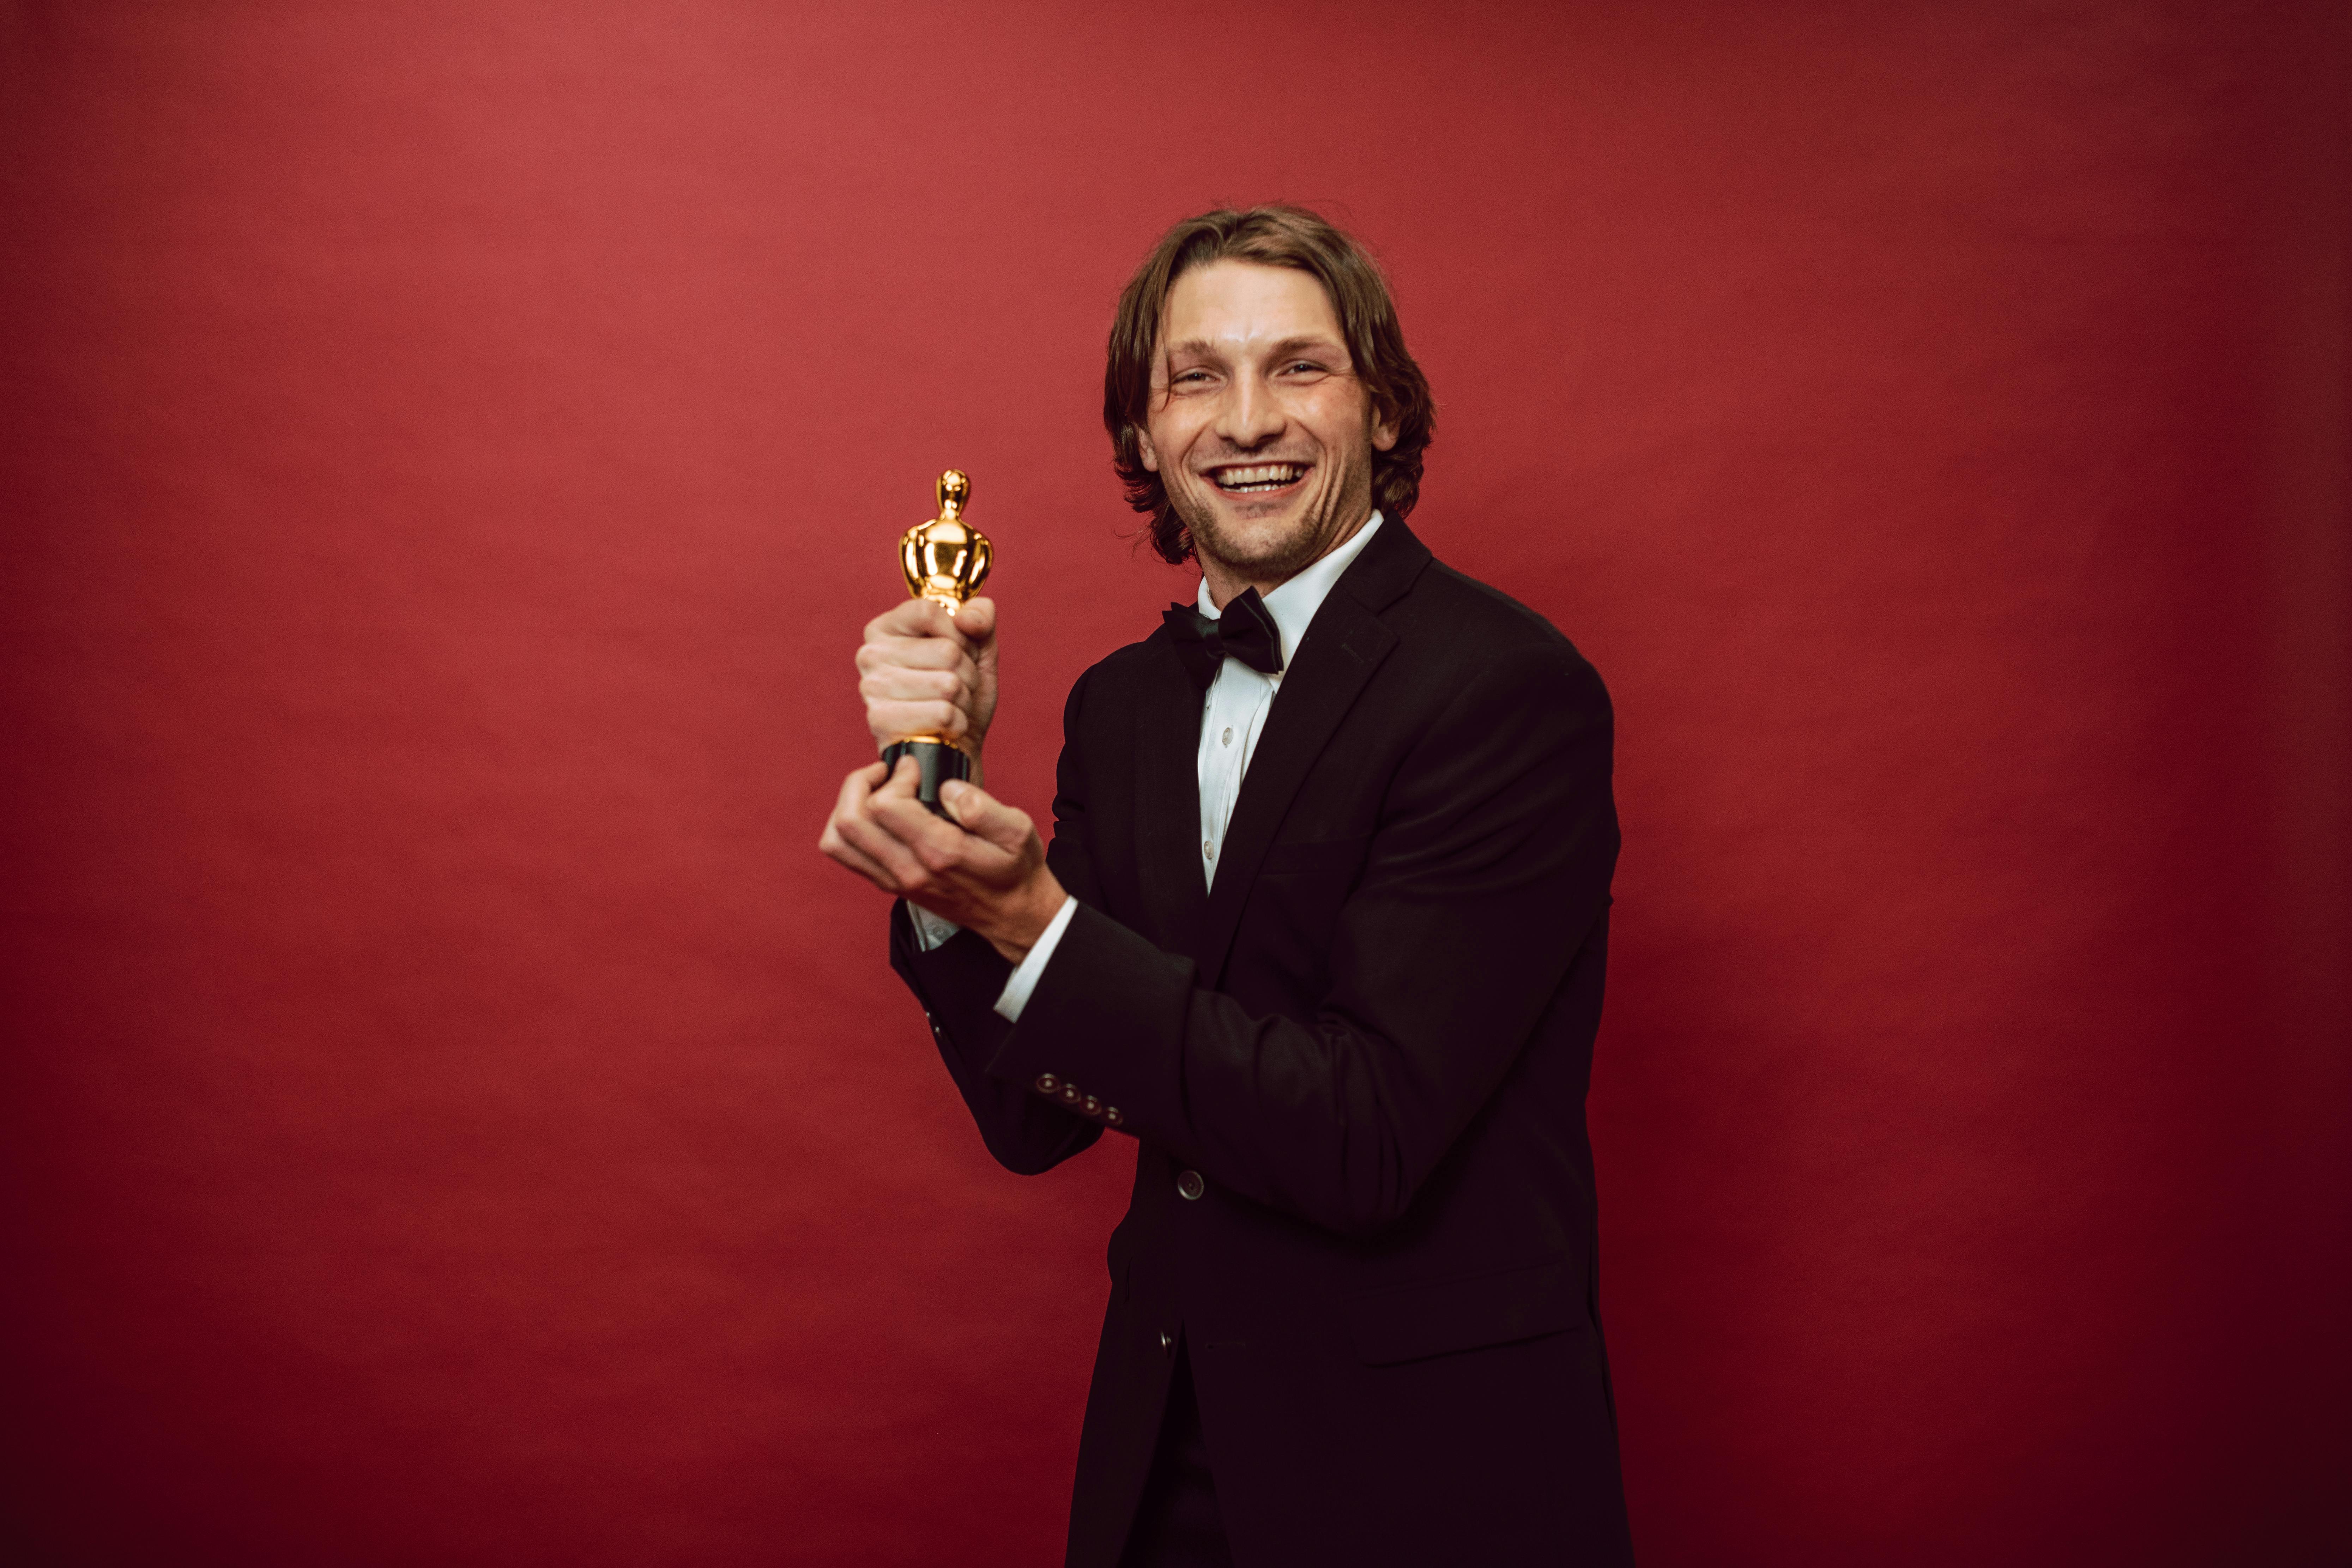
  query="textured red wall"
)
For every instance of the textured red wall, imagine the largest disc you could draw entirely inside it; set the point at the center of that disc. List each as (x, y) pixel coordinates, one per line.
(452, 1115)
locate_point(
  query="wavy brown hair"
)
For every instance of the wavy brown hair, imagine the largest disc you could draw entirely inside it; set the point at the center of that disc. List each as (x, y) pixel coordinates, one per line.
(1275, 236)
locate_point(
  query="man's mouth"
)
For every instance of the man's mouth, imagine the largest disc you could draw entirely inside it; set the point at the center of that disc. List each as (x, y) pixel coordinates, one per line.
(1257, 478)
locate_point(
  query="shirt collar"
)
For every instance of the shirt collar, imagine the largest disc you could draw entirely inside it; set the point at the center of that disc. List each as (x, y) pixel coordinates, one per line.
(1293, 605)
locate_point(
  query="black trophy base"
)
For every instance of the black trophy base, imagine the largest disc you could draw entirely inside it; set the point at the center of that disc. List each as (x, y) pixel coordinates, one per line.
(938, 763)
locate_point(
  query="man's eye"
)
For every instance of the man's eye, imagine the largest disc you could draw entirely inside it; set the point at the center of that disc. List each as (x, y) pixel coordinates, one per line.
(1180, 377)
(1303, 366)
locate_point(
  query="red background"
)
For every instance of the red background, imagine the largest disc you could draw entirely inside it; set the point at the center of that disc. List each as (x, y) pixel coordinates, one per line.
(452, 1114)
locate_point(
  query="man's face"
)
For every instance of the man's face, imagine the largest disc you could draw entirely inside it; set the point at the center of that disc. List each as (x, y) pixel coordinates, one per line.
(1258, 424)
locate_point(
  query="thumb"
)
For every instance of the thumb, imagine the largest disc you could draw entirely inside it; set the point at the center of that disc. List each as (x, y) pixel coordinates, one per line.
(984, 816)
(977, 618)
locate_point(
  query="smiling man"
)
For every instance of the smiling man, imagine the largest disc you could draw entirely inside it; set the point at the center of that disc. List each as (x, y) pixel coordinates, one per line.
(1322, 928)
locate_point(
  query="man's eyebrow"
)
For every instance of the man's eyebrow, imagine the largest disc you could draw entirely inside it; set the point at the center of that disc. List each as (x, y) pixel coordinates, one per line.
(1286, 346)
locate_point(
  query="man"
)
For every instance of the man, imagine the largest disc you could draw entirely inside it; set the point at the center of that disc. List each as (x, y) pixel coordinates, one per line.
(1322, 927)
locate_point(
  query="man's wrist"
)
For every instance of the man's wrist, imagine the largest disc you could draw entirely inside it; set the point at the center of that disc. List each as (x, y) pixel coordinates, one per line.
(1029, 912)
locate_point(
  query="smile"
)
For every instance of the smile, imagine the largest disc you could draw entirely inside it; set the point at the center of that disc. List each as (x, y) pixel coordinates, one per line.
(1258, 477)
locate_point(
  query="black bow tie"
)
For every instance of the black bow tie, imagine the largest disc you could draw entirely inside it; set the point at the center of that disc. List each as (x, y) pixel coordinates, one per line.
(1246, 632)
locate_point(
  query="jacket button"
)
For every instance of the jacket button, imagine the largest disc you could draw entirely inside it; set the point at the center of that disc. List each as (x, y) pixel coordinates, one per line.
(1069, 1092)
(1111, 1114)
(1167, 1341)
(1190, 1186)
(1048, 1083)
(1093, 1106)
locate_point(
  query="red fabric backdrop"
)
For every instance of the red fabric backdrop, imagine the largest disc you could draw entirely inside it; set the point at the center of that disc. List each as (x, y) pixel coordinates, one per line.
(451, 1113)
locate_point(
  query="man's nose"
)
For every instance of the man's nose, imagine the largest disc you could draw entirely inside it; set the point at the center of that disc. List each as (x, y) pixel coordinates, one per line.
(1251, 416)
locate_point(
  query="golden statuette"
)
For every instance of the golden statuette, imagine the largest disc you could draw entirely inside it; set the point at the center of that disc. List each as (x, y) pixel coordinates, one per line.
(945, 561)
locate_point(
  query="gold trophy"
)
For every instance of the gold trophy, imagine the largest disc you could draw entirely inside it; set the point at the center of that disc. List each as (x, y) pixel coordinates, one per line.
(946, 560)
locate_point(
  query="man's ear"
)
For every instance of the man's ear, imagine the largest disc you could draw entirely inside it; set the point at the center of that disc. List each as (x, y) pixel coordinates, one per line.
(1384, 429)
(1151, 454)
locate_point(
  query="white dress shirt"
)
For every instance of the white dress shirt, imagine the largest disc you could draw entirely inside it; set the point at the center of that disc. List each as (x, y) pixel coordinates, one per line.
(1233, 717)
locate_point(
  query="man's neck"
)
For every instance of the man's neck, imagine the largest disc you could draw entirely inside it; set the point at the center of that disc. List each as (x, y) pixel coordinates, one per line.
(1225, 584)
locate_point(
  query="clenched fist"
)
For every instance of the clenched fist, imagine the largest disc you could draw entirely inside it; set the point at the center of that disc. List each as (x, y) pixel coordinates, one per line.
(925, 672)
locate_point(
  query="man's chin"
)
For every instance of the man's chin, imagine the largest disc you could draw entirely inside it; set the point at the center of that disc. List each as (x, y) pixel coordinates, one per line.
(1248, 527)
(1258, 559)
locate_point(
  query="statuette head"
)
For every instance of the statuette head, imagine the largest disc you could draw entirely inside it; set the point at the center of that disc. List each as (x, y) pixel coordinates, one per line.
(955, 488)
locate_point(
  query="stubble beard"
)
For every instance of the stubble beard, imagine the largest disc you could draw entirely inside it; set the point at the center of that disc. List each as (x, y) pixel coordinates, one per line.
(1285, 555)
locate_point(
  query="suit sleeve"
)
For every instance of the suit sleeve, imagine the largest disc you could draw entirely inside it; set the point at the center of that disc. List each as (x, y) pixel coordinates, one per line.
(958, 984)
(1489, 869)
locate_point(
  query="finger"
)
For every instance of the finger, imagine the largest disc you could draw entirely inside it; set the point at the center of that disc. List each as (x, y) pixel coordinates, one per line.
(843, 853)
(855, 789)
(861, 783)
(872, 827)
(915, 619)
(944, 850)
(912, 653)
(917, 718)
(906, 776)
(867, 847)
(985, 817)
(934, 840)
(977, 618)
(896, 683)
(932, 837)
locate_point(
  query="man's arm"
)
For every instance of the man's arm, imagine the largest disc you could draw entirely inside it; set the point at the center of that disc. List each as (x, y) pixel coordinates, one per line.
(1490, 870)
(956, 982)
(961, 983)
(919, 669)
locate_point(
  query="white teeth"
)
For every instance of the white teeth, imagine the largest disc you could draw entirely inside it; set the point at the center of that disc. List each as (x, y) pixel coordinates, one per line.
(1261, 475)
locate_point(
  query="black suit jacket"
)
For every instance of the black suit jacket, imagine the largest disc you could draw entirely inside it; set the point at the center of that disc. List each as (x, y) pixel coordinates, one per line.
(1367, 1049)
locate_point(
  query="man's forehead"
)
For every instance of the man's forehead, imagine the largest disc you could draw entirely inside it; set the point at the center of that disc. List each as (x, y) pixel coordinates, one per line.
(1229, 304)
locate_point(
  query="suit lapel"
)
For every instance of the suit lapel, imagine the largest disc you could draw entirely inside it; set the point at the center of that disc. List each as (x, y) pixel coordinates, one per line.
(1168, 797)
(1343, 646)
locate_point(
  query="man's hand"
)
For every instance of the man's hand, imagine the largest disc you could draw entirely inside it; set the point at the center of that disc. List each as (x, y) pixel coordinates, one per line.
(925, 672)
(988, 875)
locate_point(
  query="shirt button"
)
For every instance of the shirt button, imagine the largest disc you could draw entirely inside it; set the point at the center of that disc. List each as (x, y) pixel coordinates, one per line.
(1190, 1186)
(1209, 847)
(1229, 734)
